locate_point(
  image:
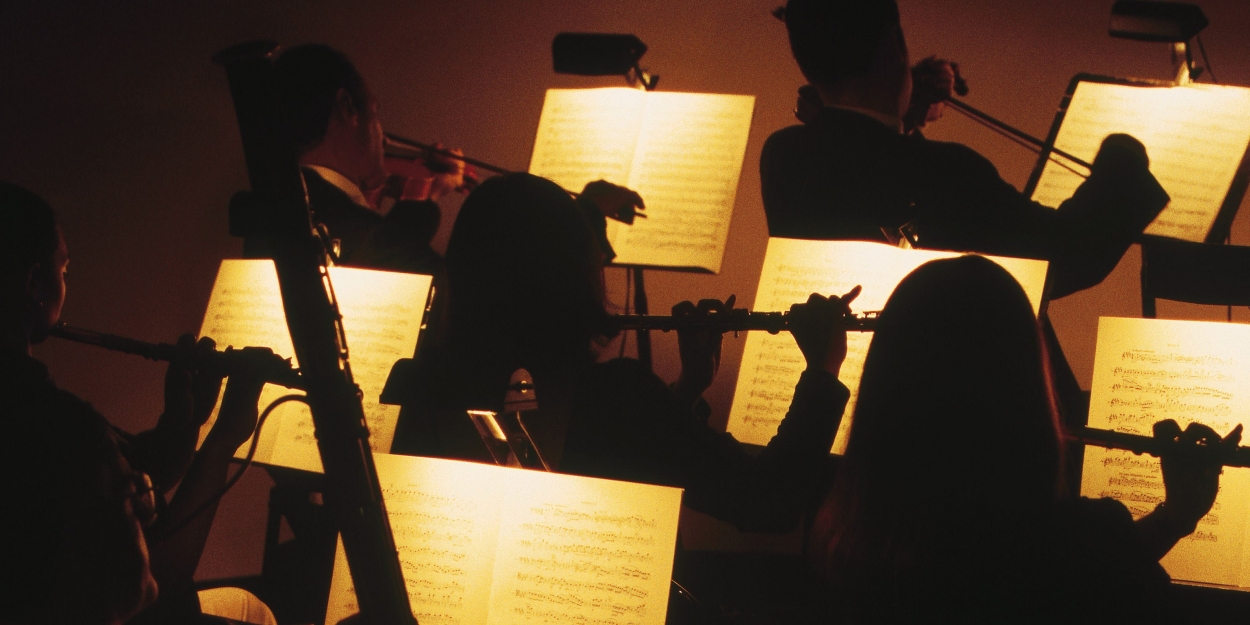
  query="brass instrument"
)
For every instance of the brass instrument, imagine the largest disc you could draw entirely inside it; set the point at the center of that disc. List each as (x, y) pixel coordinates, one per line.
(733, 320)
(1138, 444)
(278, 370)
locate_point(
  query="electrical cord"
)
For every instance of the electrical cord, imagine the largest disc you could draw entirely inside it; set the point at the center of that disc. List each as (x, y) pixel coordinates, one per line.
(238, 474)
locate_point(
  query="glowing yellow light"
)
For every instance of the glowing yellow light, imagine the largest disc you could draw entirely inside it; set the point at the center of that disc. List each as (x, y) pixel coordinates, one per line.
(1147, 370)
(381, 316)
(1195, 136)
(682, 152)
(481, 544)
(794, 269)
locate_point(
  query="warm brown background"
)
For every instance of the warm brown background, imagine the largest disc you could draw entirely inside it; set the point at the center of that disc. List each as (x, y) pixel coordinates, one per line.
(116, 115)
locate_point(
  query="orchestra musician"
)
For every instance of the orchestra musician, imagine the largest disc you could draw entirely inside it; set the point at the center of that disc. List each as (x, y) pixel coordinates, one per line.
(851, 174)
(334, 121)
(32, 293)
(949, 504)
(525, 284)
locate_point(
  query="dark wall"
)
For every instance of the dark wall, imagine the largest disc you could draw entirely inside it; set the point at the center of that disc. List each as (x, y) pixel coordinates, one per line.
(117, 116)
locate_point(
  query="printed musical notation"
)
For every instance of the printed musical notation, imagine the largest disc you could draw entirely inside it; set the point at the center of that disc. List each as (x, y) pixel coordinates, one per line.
(1147, 370)
(488, 545)
(382, 314)
(682, 152)
(1195, 136)
(793, 270)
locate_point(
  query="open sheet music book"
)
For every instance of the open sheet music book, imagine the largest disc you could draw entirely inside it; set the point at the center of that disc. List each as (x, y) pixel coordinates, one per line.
(682, 152)
(793, 270)
(1196, 137)
(382, 313)
(1147, 370)
(485, 545)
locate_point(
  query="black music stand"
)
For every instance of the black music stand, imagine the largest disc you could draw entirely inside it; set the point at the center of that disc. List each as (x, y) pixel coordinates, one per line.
(1197, 273)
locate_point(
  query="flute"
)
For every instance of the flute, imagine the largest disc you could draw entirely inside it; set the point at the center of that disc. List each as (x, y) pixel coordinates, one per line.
(276, 370)
(735, 320)
(1138, 444)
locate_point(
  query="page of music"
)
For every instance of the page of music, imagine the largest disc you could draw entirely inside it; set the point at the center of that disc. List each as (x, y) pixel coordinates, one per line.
(1195, 135)
(1147, 370)
(486, 545)
(682, 152)
(382, 314)
(796, 268)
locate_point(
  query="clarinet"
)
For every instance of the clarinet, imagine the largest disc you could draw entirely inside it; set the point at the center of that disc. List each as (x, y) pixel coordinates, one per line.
(276, 370)
(735, 320)
(1138, 444)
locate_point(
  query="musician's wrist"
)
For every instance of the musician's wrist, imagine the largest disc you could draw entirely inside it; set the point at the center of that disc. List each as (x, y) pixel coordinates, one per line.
(1173, 522)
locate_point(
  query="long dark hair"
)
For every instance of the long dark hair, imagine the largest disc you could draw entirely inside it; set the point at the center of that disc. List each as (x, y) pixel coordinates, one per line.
(525, 278)
(954, 437)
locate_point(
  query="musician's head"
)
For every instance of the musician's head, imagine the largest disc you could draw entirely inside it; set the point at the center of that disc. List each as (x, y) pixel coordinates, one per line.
(332, 114)
(33, 264)
(851, 50)
(955, 431)
(525, 274)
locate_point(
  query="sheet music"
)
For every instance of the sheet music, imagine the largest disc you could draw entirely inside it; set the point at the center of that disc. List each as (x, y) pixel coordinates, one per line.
(1147, 370)
(382, 314)
(793, 270)
(445, 519)
(586, 135)
(485, 545)
(245, 309)
(582, 550)
(682, 152)
(686, 168)
(1195, 136)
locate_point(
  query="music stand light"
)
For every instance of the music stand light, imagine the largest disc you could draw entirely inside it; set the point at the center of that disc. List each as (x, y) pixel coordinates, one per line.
(1168, 22)
(600, 54)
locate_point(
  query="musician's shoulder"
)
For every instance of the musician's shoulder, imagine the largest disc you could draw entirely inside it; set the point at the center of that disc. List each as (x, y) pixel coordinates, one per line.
(948, 157)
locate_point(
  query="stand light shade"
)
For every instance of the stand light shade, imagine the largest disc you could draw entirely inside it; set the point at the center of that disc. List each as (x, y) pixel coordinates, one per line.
(1174, 22)
(596, 54)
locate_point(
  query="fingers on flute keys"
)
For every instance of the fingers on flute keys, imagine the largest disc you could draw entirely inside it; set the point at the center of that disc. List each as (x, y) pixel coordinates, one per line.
(1191, 469)
(819, 328)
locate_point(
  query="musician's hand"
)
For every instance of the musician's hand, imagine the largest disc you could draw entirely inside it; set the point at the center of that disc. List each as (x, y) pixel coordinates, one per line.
(699, 349)
(189, 395)
(237, 418)
(1191, 480)
(820, 330)
(614, 201)
(1118, 147)
(933, 82)
(447, 174)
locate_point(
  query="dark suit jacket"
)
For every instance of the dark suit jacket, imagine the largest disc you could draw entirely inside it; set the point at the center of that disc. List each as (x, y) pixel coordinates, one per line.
(848, 176)
(400, 241)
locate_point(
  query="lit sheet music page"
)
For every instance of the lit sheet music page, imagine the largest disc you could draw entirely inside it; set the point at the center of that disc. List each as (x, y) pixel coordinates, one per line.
(382, 313)
(1147, 370)
(682, 152)
(793, 270)
(1195, 136)
(485, 545)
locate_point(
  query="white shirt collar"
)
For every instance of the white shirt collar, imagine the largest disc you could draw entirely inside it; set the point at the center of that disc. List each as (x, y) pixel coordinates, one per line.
(341, 182)
(890, 121)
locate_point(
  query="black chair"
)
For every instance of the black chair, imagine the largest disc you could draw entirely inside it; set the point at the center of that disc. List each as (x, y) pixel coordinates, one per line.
(1196, 273)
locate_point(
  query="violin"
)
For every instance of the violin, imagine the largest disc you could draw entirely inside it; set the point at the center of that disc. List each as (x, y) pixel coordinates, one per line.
(935, 82)
(414, 170)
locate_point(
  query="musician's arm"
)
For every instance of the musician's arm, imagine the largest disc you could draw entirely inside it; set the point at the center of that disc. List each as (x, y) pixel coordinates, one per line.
(166, 451)
(972, 208)
(178, 538)
(1191, 482)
